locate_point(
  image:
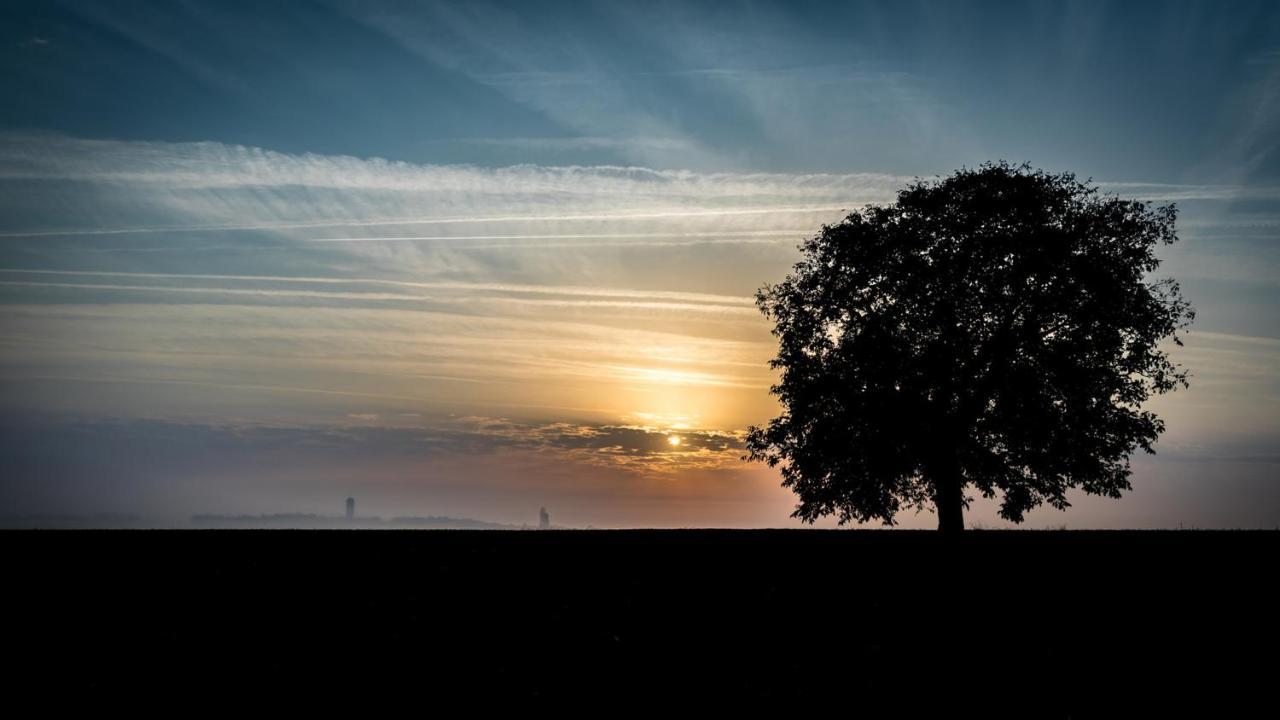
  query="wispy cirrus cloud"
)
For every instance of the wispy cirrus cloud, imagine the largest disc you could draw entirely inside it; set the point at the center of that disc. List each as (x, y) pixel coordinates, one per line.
(565, 307)
(494, 287)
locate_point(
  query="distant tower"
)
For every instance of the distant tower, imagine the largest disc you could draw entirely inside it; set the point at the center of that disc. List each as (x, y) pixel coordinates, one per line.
(351, 508)
(544, 520)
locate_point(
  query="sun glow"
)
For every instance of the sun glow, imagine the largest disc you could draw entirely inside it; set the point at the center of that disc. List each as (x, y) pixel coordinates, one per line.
(673, 440)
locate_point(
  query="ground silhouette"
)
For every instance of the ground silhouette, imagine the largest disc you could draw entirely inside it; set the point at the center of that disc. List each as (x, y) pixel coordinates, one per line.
(867, 623)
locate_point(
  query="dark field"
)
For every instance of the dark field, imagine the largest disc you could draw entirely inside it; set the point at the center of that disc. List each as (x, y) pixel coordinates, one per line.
(1026, 624)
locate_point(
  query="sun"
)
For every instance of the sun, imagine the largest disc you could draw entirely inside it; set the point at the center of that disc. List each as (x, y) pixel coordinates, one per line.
(673, 440)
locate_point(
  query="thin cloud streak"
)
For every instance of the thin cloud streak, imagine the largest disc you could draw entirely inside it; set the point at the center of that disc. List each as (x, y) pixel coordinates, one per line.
(276, 388)
(392, 297)
(532, 289)
(696, 239)
(702, 212)
(570, 236)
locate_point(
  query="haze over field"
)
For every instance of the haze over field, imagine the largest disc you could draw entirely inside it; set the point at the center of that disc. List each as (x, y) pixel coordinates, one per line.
(468, 261)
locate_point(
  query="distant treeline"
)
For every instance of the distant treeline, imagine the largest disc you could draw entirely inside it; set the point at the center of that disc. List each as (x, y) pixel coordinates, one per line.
(94, 521)
(307, 520)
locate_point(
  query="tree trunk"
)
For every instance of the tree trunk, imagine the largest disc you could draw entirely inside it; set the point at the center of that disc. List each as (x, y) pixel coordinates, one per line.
(948, 498)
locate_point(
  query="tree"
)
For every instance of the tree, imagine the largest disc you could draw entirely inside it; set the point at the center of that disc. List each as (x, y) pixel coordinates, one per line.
(992, 330)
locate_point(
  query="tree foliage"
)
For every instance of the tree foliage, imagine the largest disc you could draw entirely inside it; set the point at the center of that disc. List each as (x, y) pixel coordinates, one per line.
(993, 330)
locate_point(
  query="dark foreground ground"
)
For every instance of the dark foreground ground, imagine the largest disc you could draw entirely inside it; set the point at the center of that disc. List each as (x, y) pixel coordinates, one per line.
(1023, 624)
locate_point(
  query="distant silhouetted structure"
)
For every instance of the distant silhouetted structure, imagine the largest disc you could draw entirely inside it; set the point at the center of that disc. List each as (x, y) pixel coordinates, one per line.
(544, 520)
(351, 508)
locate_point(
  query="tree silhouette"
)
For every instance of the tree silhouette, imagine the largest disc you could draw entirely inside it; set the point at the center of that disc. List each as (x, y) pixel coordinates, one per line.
(993, 329)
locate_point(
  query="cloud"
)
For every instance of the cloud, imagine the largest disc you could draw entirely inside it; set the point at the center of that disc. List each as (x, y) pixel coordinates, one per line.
(363, 435)
(635, 448)
(351, 298)
(160, 472)
(211, 187)
(686, 297)
(305, 287)
(213, 166)
(181, 462)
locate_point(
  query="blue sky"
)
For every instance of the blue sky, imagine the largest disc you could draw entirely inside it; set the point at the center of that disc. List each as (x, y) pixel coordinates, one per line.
(1128, 91)
(517, 241)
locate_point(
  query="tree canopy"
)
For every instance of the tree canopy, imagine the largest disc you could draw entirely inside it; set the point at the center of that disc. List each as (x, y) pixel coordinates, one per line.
(993, 330)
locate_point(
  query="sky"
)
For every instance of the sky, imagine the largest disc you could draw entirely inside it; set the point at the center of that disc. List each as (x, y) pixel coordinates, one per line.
(474, 259)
